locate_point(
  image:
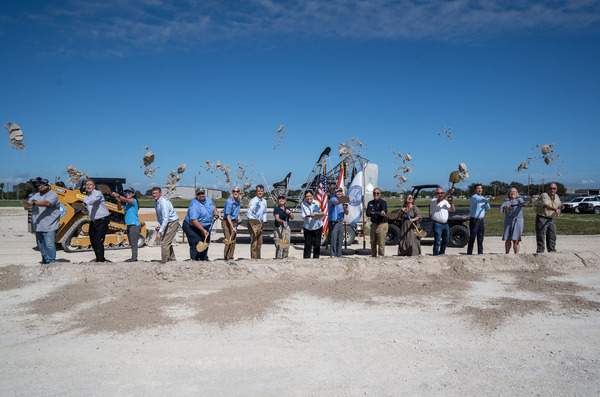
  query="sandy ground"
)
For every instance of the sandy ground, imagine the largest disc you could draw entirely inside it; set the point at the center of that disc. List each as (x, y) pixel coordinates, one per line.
(493, 324)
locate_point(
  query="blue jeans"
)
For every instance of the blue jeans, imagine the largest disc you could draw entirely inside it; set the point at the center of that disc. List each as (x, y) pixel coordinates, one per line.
(45, 243)
(194, 236)
(441, 234)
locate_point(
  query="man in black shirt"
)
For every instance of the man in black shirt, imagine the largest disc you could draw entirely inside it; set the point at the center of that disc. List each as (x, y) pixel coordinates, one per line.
(377, 210)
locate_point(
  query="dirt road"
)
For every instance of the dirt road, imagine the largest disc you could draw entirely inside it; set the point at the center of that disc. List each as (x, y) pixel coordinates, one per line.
(493, 324)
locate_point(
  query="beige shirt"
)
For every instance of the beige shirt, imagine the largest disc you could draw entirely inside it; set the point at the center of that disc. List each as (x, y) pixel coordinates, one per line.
(546, 200)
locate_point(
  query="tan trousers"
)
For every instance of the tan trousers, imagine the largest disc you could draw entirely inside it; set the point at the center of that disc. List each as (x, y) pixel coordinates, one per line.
(166, 246)
(378, 235)
(229, 248)
(280, 233)
(256, 239)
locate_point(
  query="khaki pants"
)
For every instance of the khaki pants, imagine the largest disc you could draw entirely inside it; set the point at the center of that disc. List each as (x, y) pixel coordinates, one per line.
(256, 238)
(166, 246)
(378, 235)
(280, 233)
(229, 248)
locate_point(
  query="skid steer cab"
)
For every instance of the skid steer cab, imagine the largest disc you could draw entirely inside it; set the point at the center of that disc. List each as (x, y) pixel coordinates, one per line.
(73, 231)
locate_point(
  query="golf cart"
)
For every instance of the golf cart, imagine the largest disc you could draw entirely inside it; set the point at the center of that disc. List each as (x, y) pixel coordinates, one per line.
(459, 233)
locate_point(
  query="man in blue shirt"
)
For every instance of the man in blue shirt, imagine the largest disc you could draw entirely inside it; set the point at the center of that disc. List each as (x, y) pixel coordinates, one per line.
(336, 225)
(197, 223)
(45, 219)
(231, 213)
(479, 205)
(168, 224)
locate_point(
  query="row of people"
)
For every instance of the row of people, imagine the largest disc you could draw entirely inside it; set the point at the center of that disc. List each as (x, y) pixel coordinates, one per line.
(202, 214)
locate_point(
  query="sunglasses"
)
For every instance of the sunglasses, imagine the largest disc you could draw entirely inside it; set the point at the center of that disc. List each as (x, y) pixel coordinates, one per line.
(439, 192)
(551, 188)
(376, 194)
(236, 191)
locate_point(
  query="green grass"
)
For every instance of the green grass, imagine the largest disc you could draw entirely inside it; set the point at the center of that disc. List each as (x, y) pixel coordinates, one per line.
(10, 203)
(566, 224)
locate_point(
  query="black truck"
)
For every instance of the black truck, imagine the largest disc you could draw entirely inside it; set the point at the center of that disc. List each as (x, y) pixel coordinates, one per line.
(459, 232)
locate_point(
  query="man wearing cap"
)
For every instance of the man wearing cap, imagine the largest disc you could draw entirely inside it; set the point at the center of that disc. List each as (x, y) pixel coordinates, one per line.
(197, 223)
(336, 222)
(134, 226)
(478, 208)
(440, 209)
(548, 209)
(168, 224)
(281, 232)
(257, 215)
(231, 213)
(377, 209)
(45, 215)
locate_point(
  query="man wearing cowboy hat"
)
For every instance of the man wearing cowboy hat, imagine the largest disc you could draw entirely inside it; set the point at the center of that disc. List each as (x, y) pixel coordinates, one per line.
(45, 215)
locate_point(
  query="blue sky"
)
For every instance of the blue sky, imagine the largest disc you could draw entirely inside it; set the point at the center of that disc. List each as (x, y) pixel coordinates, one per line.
(91, 83)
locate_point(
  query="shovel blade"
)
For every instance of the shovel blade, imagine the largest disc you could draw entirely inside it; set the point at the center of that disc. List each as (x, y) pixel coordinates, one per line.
(454, 177)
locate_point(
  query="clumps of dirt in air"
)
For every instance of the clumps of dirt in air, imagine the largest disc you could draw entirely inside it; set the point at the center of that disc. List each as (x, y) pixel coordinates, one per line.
(446, 133)
(242, 174)
(147, 161)
(462, 169)
(173, 179)
(75, 176)
(279, 137)
(350, 148)
(548, 156)
(16, 135)
(405, 168)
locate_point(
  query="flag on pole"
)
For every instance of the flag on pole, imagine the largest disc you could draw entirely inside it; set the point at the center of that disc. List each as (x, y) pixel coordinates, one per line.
(340, 182)
(323, 201)
(355, 193)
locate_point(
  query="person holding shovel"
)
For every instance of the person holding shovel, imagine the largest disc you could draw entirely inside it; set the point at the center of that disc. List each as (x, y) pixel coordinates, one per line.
(198, 223)
(410, 243)
(168, 224)
(281, 232)
(337, 210)
(548, 209)
(45, 219)
(313, 225)
(479, 206)
(231, 212)
(134, 226)
(513, 220)
(440, 209)
(96, 210)
(257, 215)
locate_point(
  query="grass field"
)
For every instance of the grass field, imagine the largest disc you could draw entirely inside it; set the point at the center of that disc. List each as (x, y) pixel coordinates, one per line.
(567, 224)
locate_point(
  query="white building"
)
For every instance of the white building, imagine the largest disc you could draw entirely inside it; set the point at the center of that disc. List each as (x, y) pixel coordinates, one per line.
(189, 192)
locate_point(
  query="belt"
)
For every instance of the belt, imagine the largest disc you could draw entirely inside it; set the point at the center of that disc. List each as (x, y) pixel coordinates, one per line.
(545, 217)
(440, 222)
(477, 219)
(379, 223)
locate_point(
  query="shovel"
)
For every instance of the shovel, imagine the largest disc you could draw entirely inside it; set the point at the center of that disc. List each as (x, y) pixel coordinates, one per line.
(78, 206)
(283, 243)
(26, 205)
(104, 189)
(344, 199)
(420, 233)
(454, 178)
(233, 236)
(203, 245)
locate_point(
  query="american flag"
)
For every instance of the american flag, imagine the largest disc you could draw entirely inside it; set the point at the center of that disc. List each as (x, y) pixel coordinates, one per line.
(323, 201)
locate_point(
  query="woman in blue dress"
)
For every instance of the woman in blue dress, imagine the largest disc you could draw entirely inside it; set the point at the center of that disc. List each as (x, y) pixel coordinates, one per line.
(513, 220)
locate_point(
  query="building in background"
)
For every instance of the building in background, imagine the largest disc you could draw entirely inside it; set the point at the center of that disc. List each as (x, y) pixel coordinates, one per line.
(189, 192)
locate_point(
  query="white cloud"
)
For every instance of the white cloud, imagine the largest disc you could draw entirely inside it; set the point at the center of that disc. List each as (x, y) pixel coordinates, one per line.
(117, 26)
(588, 182)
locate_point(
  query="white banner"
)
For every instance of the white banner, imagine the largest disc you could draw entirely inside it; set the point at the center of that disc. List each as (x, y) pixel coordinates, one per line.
(356, 194)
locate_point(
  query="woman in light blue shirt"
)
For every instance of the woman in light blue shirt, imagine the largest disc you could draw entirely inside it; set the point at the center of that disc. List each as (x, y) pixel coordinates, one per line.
(134, 226)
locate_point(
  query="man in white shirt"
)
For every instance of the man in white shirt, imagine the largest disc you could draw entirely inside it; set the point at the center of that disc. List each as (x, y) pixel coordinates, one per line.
(257, 216)
(440, 209)
(168, 224)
